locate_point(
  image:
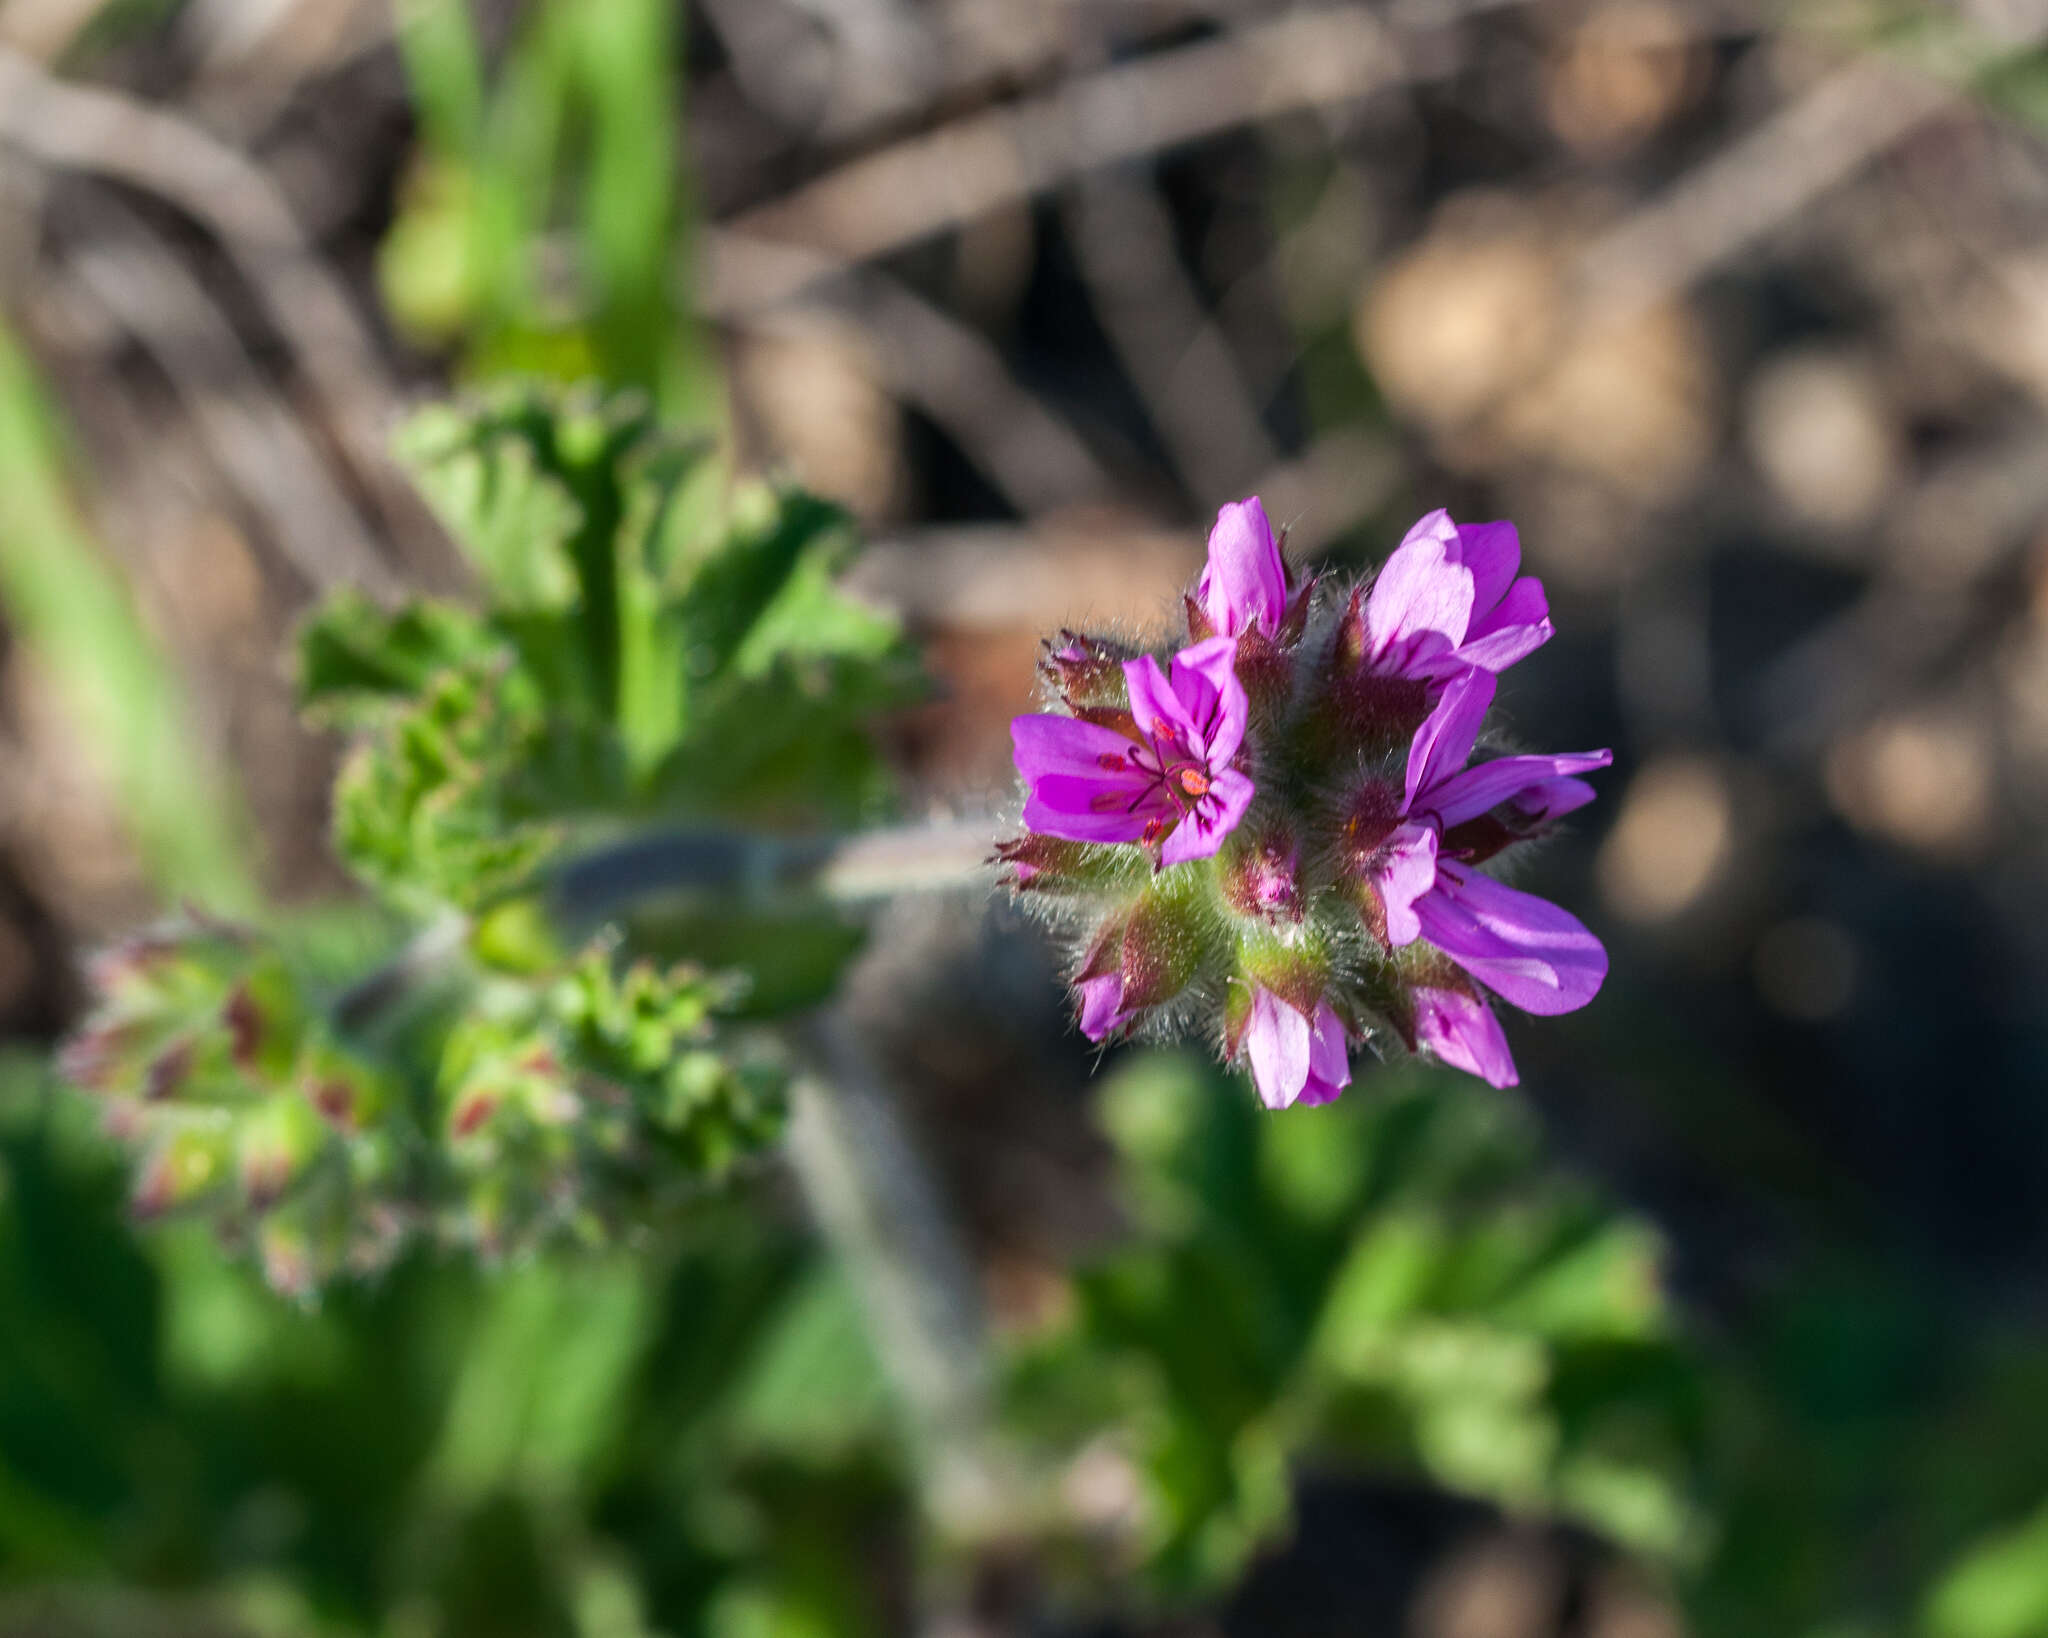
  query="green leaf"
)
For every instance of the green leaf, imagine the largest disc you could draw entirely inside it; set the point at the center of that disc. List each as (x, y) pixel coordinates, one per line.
(489, 481)
(437, 808)
(354, 657)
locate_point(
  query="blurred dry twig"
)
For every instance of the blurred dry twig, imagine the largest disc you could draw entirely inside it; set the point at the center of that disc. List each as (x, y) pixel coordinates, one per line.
(962, 170)
(1169, 346)
(1756, 183)
(259, 444)
(943, 366)
(106, 134)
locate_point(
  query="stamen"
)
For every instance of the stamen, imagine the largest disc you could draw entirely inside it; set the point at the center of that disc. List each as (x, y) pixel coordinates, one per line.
(1194, 781)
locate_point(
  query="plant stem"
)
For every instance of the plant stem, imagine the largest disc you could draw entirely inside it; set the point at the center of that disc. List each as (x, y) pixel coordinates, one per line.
(752, 872)
(876, 1203)
(740, 872)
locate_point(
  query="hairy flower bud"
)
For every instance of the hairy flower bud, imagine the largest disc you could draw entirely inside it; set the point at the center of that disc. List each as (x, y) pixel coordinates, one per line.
(1050, 864)
(1086, 672)
(1162, 946)
(1260, 873)
(1140, 956)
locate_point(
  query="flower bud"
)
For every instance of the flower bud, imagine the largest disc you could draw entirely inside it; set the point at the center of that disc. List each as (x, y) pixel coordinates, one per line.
(169, 1070)
(1099, 980)
(183, 1167)
(1162, 947)
(1085, 671)
(1357, 706)
(1259, 874)
(286, 1253)
(273, 1144)
(474, 1105)
(264, 1019)
(345, 1093)
(1043, 863)
(1298, 975)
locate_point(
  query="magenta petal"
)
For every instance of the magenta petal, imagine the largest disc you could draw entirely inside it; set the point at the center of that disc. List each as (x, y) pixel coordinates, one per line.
(1205, 682)
(1419, 606)
(1277, 1043)
(1517, 627)
(1443, 744)
(1215, 816)
(1526, 949)
(1437, 529)
(1404, 871)
(1045, 744)
(1102, 1004)
(1553, 799)
(1156, 706)
(1245, 583)
(1462, 1030)
(1478, 790)
(1066, 807)
(1492, 552)
(1329, 1059)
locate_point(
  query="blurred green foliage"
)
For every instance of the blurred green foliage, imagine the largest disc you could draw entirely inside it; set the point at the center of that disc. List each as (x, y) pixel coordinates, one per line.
(654, 645)
(653, 648)
(566, 143)
(681, 1438)
(1396, 1283)
(692, 1437)
(65, 601)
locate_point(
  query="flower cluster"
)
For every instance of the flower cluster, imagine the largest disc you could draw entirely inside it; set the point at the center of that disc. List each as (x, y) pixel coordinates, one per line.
(586, 1102)
(1276, 838)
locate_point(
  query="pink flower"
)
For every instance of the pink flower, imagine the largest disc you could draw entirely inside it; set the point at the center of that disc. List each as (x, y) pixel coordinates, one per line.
(1169, 786)
(1317, 696)
(1448, 600)
(1519, 946)
(1295, 1058)
(1244, 586)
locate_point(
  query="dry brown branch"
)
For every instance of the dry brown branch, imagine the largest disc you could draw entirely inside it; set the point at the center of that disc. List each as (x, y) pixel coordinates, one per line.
(1312, 59)
(1169, 346)
(103, 133)
(931, 360)
(253, 437)
(1755, 185)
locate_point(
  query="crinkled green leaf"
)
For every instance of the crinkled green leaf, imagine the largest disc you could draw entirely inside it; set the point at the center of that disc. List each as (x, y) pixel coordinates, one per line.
(354, 657)
(489, 482)
(662, 651)
(430, 811)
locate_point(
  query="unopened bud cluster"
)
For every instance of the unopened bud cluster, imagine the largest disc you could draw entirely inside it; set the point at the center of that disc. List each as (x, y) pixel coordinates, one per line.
(568, 1102)
(1274, 839)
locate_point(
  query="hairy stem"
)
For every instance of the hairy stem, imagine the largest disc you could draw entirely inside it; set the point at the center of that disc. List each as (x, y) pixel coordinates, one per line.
(751, 872)
(728, 869)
